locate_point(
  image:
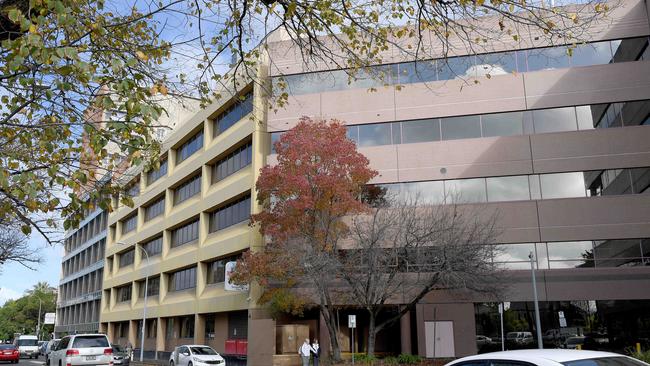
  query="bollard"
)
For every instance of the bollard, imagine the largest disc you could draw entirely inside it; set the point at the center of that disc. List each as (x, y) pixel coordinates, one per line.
(578, 347)
(638, 347)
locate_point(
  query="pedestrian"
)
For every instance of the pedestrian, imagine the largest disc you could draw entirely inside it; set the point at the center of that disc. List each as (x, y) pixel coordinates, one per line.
(315, 349)
(305, 351)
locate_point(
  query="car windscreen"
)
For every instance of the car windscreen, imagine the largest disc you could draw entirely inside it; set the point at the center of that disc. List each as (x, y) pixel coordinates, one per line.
(27, 342)
(203, 351)
(575, 341)
(605, 361)
(7, 346)
(90, 341)
(118, 348)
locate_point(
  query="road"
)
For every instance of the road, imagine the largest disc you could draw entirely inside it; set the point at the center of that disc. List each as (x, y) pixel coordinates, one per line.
(30, 362)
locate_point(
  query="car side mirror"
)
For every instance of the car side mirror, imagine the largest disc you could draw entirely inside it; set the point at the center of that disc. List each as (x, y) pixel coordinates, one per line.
(186, 353)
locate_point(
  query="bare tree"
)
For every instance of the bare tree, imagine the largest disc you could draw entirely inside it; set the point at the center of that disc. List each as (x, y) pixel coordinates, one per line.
(403, 250)
(14, 247)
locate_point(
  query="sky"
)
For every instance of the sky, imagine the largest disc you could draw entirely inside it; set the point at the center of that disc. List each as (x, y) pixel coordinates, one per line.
(15, 279)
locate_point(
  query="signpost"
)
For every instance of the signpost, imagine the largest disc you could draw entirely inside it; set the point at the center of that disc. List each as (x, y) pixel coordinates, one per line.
(352, 323)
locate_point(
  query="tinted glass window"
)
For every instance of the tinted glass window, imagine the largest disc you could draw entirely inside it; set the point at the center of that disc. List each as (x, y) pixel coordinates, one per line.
(513, 256)
(154, 246)
(155, 174)
(194, 144)
(90, 341)
(466, 190)
(507, 188)
(456, 68)
(126, 258)
(554, 120)
(231, 214)
(27, 342)
(185, 234)
(597, 53)
(460, 127)
(232, 162)
(183, 279)
(562, 185)
(155, 209)
(129, 224)
(188, 189)
(547, 58)
(570, 254)
(496, 64)
(374, 134)
(503, 124)
(417, 72)
(234, 113)
(420, 131)
(605, 361)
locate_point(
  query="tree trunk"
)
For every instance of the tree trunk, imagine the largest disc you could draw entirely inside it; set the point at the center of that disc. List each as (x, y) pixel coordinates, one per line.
(330, 322)
(372, 334)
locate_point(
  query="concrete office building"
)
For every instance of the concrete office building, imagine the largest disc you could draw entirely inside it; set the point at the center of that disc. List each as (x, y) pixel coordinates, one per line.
(559, 145)
(82, 266)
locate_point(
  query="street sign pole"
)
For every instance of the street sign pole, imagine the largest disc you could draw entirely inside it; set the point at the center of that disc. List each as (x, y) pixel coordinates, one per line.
(352, 324)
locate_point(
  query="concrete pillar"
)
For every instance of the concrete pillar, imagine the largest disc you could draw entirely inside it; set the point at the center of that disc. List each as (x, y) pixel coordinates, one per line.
(261, 338)
(405, 333)
(199, 329)
(110, 332)
(133, 333)
(161, 326)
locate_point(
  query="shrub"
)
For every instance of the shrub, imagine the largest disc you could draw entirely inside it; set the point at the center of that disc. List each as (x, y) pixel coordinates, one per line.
(364, 358)
(390, 360)
(408, 359)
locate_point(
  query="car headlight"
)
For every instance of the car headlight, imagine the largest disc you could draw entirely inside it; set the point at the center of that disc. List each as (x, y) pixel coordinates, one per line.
(196, 359)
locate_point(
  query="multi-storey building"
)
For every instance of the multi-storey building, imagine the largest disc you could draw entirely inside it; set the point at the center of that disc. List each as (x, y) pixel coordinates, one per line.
(82, 266)
(559, 145)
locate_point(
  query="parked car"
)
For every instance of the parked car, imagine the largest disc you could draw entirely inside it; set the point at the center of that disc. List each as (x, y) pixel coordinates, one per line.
(41, 347)
(482, 340)
(520, 338)
(27, 346)
(81, 350)
(9, 352)
(195, 355)
(51, 345)
(548, 357)
(121, 356)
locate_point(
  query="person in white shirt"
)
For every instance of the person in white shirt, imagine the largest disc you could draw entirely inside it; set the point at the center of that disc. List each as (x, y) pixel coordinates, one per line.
(305, 351)
(315, 349)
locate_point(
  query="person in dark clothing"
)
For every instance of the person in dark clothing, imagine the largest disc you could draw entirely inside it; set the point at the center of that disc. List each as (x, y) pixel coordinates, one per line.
(315, 351)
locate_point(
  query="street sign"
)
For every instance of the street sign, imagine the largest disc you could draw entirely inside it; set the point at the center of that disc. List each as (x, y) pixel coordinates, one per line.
(50, 318)
(352, 321)
(562, 319)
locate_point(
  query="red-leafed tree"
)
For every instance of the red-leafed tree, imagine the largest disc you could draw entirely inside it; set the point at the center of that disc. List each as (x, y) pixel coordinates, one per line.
(318, 180)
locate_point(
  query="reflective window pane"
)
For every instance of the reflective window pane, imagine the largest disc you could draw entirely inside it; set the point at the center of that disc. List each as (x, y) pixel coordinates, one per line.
(562, 185)
(501, 63)
(503, 124)
(570, 254)
(417, 72)
(547, 58)
(431, 192)
(514, 256)
(466, 190)
(507, 188)
(555, 120)
(374, 134)
(456, 68)
(597, 53)
(420, 131)
(460, 127)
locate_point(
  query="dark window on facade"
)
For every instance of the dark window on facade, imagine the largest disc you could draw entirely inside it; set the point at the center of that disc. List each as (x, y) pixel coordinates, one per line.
(155, 174)
(129, 224)
(231, 214)
(232, 163)
(217, 269)
(183, 279)
(155, 209)
(238, 110)
(210, 327)
(133, 189)
(126, 258)
(194, 144)
(188, 189)
(185, 234)
(124, 293)
(237, 325)
(153, 287)
(153, 246)
(187, 327)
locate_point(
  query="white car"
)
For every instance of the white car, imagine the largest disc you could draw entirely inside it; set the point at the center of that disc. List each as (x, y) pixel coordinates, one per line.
(547, 357)
(82, 350)
(195, 355)
(27, 346)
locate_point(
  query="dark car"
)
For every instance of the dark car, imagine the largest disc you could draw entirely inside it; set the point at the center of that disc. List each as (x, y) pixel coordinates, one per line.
(9, 352)
(120, 356)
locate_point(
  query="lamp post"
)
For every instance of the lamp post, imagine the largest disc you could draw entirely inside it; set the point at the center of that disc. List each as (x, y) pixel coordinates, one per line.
(537, 322)
(144, 309)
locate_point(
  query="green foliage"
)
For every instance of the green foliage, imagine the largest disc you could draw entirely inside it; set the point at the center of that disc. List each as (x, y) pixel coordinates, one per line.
(390, 360)
(640, 355)
(21, 315)
(365, 358)
(407, 359)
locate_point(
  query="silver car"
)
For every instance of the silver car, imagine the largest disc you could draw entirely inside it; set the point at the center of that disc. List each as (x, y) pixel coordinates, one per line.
(195, 355)
(82, 350)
